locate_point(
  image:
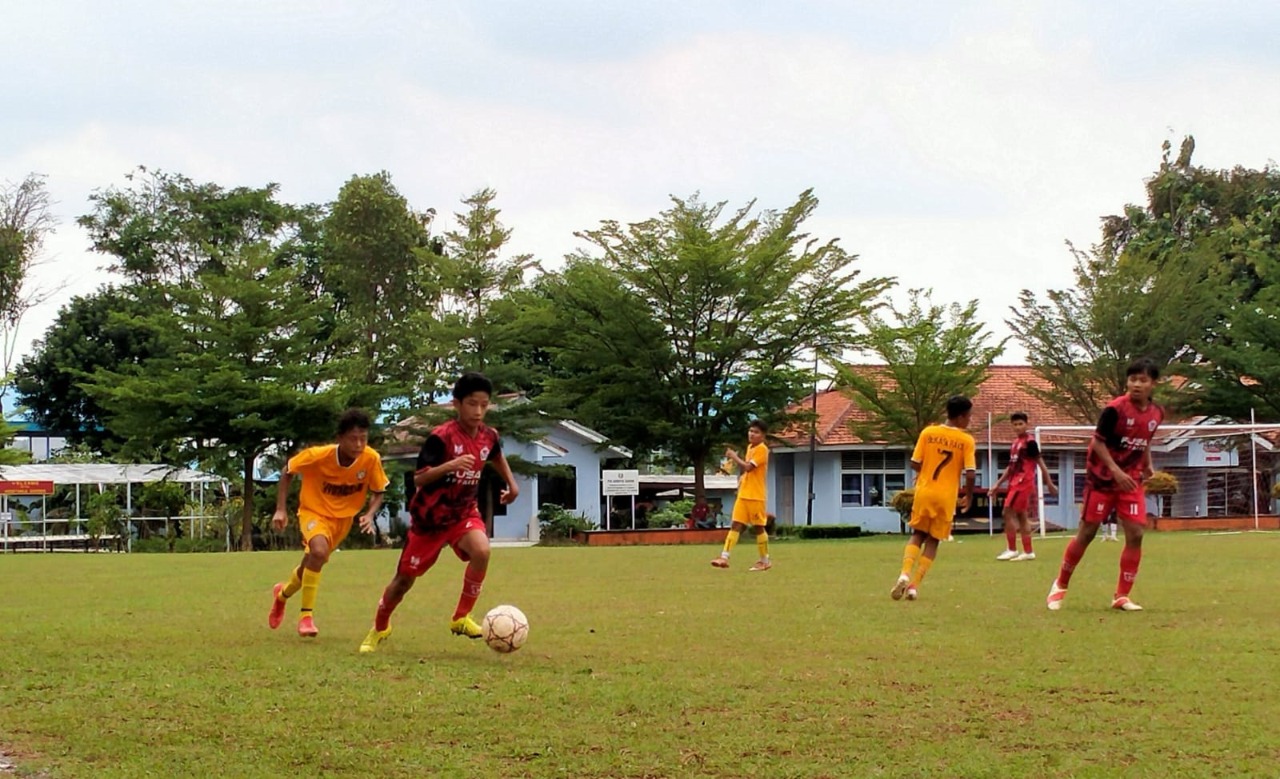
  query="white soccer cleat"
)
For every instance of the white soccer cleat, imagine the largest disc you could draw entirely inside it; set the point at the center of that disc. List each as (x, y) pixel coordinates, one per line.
(1056, 595)
(912, 594)
(1124, 604)
(1024, 556)
(900, 588)
(1007, 554)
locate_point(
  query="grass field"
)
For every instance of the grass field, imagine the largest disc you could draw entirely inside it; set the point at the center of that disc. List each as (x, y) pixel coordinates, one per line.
(647, 662)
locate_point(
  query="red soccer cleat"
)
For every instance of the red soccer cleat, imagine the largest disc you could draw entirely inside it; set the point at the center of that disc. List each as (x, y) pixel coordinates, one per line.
(277, 608)
(307, 627)
(720, 562)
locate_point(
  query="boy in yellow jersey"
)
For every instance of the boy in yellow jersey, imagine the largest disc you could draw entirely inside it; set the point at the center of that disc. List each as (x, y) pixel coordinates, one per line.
(336, 479)
(942, 454)
(748, 509)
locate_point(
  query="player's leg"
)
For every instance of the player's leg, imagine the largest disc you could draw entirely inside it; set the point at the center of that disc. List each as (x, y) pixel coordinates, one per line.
(318, 550)
(741, 518)
(421, 550)
(281, 593)
(1009, 517)
(760, 527)
(1022, 520)
(471, 543)
(911, 554)
(1132, 518)
(928, 553)
(1095, 508)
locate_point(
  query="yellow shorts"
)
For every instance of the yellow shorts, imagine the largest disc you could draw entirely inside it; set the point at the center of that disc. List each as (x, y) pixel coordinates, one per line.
(932, 517)
(332, 528)
(749, 512)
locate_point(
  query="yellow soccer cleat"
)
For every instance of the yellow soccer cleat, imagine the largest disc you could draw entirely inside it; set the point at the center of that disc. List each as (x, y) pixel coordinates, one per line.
(466, 626)
(375, 637)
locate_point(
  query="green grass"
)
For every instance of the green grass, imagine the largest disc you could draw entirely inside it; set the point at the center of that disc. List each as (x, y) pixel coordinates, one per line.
(647, 662)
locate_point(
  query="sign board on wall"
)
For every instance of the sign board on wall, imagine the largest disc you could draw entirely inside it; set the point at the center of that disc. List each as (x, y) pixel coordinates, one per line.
(26, 487)
(1208, 454)
(620, 482)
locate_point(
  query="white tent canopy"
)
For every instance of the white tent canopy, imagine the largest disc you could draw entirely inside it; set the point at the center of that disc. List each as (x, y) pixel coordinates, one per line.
(84, 473)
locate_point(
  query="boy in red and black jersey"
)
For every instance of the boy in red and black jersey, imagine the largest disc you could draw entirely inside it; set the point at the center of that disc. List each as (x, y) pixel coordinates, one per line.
(1025, 467)
(1119, 459)
(444, 509)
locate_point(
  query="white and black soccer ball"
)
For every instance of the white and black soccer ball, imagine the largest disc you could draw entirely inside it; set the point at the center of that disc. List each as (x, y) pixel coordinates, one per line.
(506, 628)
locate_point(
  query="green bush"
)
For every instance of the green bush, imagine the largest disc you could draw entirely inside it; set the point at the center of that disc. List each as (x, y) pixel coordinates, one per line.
(557, 524)
(199, 545)
(150, 545)
(810, 532)
(674, 514)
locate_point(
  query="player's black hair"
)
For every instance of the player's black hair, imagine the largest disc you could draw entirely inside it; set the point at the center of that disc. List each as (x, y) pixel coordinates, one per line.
(472, 382)
(958, 405)
(759, 425)
(1143, 365)
(353, 419)
(1018, 415)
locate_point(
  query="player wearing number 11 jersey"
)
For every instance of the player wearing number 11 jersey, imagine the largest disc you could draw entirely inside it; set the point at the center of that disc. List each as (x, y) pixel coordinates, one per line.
(943, 454)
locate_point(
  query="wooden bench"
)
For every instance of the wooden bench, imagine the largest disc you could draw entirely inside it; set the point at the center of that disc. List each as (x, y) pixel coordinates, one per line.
(60, 543)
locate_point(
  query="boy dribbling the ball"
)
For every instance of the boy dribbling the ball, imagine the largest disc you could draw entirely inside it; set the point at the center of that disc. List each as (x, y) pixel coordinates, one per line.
(444, 511)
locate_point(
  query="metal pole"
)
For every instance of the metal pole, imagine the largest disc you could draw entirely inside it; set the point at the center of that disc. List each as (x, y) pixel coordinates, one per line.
(1040, 492)
(991, 482)
(1253, 447)
(813, 442)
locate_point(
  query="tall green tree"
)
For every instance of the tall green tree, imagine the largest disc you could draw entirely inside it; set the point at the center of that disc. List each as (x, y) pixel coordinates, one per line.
(1156, 285)
(229, 384)
(89, 333)
(236, 329)
(382, 274)
(682, 328)
(26, 220)
(925, 354)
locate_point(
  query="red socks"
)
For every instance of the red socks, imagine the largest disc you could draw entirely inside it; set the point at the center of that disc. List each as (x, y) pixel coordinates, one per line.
(472, 581)
(1129, 560)
(1070, 559)
(385, 606)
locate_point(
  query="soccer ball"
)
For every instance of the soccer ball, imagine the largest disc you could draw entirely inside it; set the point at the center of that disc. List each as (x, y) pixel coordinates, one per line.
(505, 628)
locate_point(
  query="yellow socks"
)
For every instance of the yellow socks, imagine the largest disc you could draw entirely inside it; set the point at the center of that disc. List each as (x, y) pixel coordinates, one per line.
(730, 540)
(310, 588)
(909, 557)
(921, 569)
(762, 545)
(293, 585)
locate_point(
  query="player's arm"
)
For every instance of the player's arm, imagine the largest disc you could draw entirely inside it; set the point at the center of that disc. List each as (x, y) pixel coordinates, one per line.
(1106, 426)
(431, 463)
(966, 495)
(281, 518)
(745, 466)
(499, 461)
(1003, 476)
(1033, 451)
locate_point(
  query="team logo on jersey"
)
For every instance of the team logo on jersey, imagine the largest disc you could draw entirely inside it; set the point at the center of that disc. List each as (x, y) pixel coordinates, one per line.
(1151, 426)
(457, 448)
(413, 561)
(360, 475)
(484, 453)
(1129, 422)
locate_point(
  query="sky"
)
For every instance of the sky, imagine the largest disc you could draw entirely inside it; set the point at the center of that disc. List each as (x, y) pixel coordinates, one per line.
(955, 146)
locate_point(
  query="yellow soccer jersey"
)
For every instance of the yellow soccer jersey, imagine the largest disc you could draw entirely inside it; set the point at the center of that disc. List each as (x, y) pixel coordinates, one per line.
(944, 454)
(751, 486)
(330, 490)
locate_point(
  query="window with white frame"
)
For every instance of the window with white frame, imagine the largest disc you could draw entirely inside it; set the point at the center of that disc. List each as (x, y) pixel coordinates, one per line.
(871, 478)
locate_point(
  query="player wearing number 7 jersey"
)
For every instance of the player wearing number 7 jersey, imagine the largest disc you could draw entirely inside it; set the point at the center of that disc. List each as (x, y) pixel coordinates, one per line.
(943, 454)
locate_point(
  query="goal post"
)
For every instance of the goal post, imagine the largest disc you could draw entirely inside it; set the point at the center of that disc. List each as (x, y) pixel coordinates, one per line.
(1218, 446)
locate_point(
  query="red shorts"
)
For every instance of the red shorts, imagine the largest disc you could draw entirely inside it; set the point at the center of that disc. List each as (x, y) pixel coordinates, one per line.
(422, 549)
(1020, 498)
(1129, 506)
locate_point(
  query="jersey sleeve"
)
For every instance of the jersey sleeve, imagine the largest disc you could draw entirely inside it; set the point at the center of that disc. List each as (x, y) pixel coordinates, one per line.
(432, 453)
(378, 481)
(1032, 449)
(1106, 424)
(495, 453)
(918, 455)
(305, 459)
(970, 455)
(760, 456)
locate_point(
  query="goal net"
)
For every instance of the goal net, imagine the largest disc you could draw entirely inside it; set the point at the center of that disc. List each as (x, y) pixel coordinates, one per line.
(1218, 470)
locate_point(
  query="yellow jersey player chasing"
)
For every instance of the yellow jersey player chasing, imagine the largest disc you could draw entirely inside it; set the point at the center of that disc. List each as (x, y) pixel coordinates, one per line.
(336, 480)
(942, 454)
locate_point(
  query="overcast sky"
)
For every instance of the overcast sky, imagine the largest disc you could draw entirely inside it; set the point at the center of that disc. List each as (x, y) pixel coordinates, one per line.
(953, 145)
